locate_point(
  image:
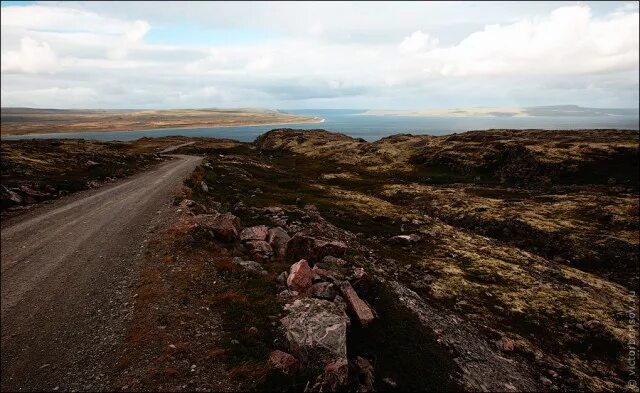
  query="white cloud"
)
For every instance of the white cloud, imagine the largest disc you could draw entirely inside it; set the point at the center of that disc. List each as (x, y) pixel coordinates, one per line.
(76, 97)
(569, 41)
(31, 57)
(418, 41)
(329, 54)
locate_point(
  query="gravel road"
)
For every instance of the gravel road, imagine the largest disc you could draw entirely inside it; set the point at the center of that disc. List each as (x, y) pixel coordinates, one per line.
(69, 271)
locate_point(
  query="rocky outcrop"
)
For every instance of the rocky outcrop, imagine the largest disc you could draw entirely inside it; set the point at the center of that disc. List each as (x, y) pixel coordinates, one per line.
(313, 249)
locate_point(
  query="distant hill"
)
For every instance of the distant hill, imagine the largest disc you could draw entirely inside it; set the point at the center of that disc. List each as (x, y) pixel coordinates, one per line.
(549, 110)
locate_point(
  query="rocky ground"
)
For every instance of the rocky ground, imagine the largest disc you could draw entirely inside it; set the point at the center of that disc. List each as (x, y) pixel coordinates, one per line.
(501, 261)
(308, 260)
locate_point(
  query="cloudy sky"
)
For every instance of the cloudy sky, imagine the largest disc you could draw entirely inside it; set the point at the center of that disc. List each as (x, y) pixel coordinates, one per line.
(319, 55)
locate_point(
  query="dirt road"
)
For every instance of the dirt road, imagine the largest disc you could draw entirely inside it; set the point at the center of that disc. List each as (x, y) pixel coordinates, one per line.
(68, 279)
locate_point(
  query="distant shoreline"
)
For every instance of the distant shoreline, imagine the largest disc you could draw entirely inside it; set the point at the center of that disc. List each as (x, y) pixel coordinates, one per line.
(44, 122)
(35, 134)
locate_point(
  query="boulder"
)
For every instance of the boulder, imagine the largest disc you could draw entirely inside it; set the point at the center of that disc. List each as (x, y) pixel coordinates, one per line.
(259, 250)
(283, 361)
(278, 238)
(323, 290)
(404, 240)
(249, 266)
(225, 226)
(316, 331)
(313, 249)
(254, 233)
(358, 306)
(300, 276)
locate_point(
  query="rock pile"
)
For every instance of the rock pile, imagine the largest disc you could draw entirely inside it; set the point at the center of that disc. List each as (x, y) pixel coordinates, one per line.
(317, 320)
(320, 300)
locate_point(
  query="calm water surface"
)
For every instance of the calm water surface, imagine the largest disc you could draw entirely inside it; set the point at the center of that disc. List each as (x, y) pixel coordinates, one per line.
(354, 123)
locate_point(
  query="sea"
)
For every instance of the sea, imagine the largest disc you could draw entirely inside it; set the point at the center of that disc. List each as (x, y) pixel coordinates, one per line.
(355, 123)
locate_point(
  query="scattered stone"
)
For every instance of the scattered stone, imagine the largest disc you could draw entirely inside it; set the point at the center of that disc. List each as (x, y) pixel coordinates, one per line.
(258, 232)
(299, 278)
(390, 382)
(323, 290)
(225, 226)
(505, 344)
(283, 361)
(358, 306)
(250, 266)
(334, 377)
(204, 186)
(404, 240)
(259, 250)
(364, 373)
(187, 203)
(278, 238)
(316, 330)
(287, 294)
(339, 301)
(545, 381)
(327, 275)
(282, 278)
(331, 260)
(358, 273)
(592, 324)
(313, 249)
(8, 195)
(253, 330)
(275, 210)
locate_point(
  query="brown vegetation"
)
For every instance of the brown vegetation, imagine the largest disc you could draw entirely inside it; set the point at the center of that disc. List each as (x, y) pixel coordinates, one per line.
(21, 121)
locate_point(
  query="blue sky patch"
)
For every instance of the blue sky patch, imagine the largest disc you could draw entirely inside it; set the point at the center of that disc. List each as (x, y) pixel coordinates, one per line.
(195, 35)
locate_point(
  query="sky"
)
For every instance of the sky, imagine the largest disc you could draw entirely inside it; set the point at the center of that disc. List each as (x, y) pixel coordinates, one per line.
(308, 55)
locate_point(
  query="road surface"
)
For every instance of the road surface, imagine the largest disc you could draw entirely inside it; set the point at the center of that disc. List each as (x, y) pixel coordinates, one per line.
(69, 271)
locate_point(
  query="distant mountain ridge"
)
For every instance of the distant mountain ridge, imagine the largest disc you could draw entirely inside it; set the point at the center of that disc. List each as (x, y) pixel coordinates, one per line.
(548, 110)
